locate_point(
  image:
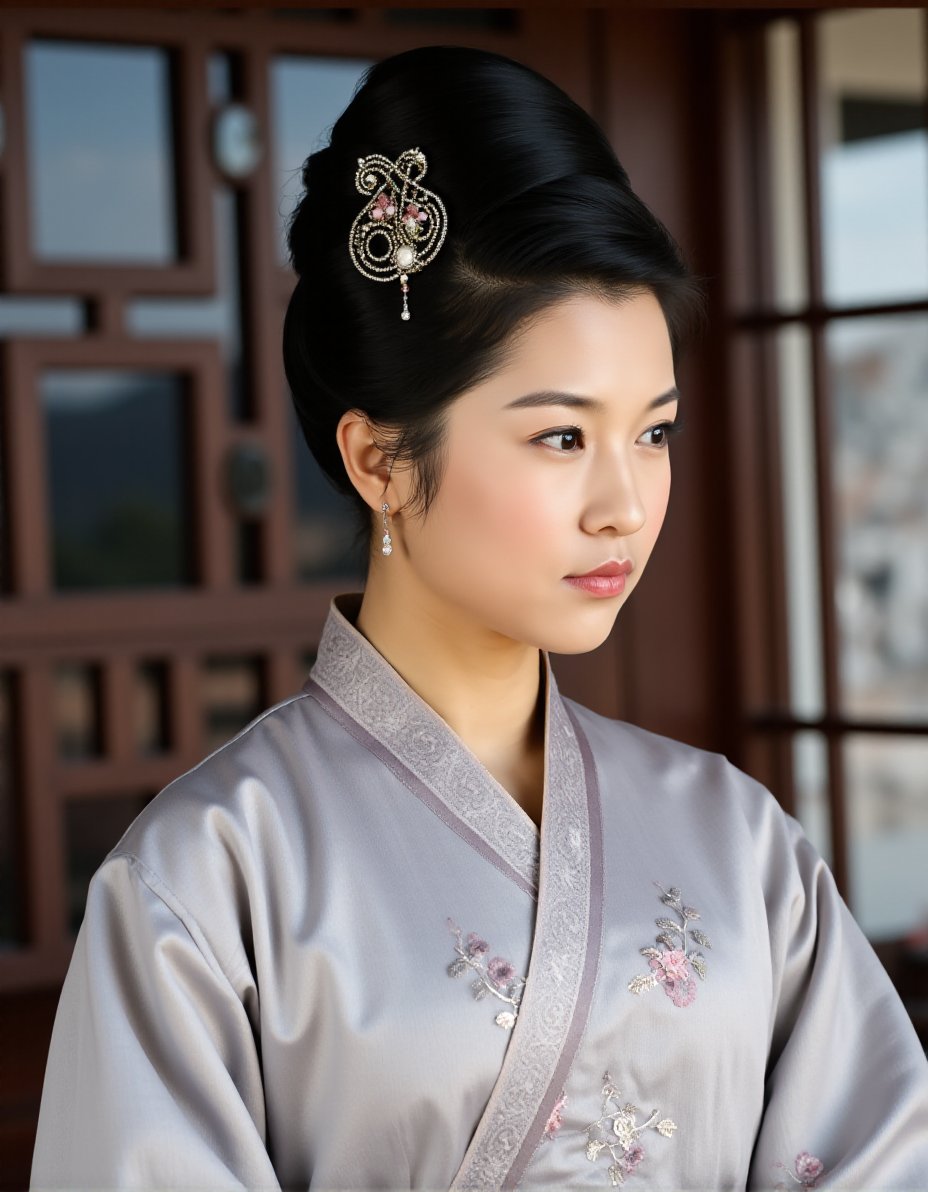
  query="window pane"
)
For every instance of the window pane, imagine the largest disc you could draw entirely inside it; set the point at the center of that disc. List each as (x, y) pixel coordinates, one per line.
(218, 317)
(116, 450)
(800, 528)
(233, 695)
(151, 708)
(307, 97)
(92, 828)
(874, 154)
(41, 316)
(888, 824)
(879, 380)
(77, 711)
(324, 520)
(810, 770)
(11, 907)
(98, 127)
(788, 226)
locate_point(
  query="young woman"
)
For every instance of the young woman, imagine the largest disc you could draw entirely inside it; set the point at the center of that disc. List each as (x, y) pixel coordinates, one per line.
(428, 923)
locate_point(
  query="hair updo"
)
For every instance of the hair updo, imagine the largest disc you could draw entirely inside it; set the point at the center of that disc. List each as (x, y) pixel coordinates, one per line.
(539, 207)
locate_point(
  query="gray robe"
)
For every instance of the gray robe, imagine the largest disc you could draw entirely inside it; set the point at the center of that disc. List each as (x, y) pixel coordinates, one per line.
(338, 954)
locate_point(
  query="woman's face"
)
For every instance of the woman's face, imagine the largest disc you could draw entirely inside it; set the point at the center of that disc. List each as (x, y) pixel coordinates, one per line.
(532, 493)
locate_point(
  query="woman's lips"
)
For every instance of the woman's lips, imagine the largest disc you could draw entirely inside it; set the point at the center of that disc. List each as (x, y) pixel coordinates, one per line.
(598, 585)
(606, 580)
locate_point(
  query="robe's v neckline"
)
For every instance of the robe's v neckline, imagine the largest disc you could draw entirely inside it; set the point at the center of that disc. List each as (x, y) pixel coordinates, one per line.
(561, 865)
(361, 689)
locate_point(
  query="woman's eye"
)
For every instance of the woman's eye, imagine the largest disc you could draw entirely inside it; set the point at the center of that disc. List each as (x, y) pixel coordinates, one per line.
(665, 430)
(566, 440)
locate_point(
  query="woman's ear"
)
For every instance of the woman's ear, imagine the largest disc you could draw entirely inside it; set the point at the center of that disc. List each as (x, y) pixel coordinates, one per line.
(366, 463)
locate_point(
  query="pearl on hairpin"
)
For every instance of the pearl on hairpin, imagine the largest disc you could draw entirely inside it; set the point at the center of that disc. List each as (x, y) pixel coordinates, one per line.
(405, 256)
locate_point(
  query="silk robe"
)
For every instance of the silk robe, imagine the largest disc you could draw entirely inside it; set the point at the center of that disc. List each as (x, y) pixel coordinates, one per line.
(338, 954)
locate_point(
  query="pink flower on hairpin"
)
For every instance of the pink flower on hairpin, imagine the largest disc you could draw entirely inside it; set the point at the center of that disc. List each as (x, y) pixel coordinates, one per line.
(383, 207)
(413, 215)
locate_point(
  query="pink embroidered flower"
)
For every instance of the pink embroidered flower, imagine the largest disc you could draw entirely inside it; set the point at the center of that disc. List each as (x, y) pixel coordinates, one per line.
(633, 1156)
(554, 1120)
(383, 207)
(673, 973)
(475, 945)
(500, 971)
(808, 1168)
(672, 964)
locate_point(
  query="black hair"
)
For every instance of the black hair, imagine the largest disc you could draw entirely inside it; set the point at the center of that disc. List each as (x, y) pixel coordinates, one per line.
(538, 208)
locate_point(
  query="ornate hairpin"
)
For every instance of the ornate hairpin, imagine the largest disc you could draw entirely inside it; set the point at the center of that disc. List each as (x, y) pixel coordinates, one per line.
(409, 219)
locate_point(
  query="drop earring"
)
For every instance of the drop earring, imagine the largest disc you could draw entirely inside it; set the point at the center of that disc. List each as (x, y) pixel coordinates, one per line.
(387, 547)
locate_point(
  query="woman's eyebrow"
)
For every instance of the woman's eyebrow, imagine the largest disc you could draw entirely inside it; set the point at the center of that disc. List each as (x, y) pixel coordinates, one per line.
(554, 397)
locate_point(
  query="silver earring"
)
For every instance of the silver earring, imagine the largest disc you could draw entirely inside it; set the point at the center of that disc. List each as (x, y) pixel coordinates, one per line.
(387, 540)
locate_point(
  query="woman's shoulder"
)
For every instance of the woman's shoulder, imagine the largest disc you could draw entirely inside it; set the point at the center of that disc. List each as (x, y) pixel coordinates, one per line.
(211, 833)
(678, 777)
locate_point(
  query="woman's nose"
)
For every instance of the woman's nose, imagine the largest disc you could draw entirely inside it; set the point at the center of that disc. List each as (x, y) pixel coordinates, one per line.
(615, 503)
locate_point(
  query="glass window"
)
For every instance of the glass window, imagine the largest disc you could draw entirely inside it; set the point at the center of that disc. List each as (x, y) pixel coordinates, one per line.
(11, 925)
(218, 317)
(100, 153)
(93, 826)
(788, 226)
(307, 97)
(77, 711)
(151, 707)
(874, 169)
(116, 449)
(232, 694)
(888, 814)
(41, 316)
(324, 521)
(810, 774)
(879, 383)
(800, 526)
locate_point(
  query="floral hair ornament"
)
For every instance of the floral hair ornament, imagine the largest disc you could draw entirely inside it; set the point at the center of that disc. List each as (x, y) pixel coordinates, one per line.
(404, 225)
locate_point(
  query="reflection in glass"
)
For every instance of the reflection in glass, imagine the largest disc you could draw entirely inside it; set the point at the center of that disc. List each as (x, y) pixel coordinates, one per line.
(879, 384)
(788, 225)
(100, 153)
(324, 521)
(874, 154)
(307, 97)
(92, 827)
(151, 707)
(232, 695)
(77, 711)
(116, 450)
(11, 926)
(217, 317)
(810, 774)
(800, 527)
(888, 825)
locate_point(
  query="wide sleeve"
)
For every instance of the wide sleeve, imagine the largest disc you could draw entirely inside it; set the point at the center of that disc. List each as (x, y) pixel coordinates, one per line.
(846, 1100)
(153, 1076)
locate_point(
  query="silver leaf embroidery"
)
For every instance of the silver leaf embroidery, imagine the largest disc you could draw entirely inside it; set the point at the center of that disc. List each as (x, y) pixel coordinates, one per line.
(495, 976)
(673, 965)
(617, 1133)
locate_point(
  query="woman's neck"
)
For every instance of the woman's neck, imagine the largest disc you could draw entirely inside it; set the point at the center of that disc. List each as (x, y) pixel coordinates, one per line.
(488, 688)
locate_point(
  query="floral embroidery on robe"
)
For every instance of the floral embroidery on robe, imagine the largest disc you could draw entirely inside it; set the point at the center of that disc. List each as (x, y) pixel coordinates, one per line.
(623, 1147)
(807, 1171)
(554, 1121)
(496, 976)
(673, 964)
